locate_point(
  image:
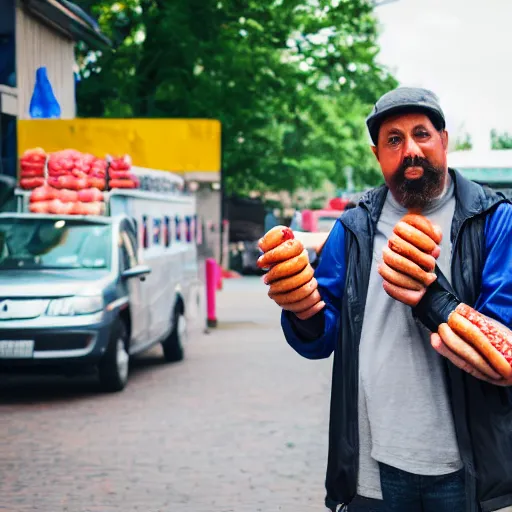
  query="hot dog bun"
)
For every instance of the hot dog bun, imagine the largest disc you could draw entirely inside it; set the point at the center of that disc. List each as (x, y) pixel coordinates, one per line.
(274, 237)
(473, 335)
(286, 250)
(287, 268)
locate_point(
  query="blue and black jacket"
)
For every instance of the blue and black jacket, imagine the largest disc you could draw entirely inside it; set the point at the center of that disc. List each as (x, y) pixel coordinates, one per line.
(481, 237)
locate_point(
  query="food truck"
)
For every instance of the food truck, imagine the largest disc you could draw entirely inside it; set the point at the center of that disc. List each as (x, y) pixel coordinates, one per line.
(94, 271)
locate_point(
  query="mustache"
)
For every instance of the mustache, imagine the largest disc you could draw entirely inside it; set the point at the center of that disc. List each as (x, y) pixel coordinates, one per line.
(415, 161)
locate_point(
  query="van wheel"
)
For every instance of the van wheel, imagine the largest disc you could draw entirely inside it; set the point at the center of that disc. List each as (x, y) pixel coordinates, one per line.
(173, 344)
(113, 367)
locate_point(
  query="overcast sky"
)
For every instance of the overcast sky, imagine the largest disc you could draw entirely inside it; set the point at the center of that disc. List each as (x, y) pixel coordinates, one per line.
(461, 49)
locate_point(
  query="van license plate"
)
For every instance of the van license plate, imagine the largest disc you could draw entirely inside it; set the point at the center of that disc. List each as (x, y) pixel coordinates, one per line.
(16, 349)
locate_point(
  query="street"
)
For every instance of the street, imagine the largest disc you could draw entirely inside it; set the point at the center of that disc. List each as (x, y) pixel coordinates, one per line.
(239, 425)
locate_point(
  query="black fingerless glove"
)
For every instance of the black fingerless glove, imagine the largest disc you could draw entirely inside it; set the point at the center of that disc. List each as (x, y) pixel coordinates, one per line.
(438, 302)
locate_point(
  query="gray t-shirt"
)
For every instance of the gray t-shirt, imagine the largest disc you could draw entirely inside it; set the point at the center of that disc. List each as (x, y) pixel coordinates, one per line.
(405, 419)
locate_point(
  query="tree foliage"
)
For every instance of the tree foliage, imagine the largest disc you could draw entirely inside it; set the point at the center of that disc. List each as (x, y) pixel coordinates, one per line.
(501, 140)
(290, 80)
(463, 143)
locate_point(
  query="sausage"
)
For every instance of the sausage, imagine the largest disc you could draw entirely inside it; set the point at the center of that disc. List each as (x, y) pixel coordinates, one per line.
(287, 268)
(311, 311)
(473, 335)
(304, 304)
(423, 224)
(285, 251)
(403, 265)
(399, 279)
(463, 349)
(414, 236)
(409, 251)
(294, 295)
(274, 237)
(291, 283)
(500, 339)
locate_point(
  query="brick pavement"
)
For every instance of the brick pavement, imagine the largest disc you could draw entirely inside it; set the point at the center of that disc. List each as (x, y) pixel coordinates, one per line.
(240, 425)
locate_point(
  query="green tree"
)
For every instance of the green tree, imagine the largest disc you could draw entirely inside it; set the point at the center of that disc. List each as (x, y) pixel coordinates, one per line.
(463, 143)
(291, 81)
(501, 140)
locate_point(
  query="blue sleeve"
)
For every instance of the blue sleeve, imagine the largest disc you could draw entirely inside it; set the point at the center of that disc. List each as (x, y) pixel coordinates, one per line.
(495, 298)
(330, 275)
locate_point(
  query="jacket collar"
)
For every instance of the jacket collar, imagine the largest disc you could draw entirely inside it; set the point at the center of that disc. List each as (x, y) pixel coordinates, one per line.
(472, 199)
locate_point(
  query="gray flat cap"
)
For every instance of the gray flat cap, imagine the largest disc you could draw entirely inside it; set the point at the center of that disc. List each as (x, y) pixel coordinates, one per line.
(404, 100)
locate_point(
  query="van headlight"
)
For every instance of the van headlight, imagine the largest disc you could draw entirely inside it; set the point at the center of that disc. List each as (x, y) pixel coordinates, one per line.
(78, 305)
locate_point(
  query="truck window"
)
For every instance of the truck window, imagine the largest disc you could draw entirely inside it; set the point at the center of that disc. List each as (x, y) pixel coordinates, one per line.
(157, 224)
(178, 227)
(167, 231)
(145, 232)
(188, 228)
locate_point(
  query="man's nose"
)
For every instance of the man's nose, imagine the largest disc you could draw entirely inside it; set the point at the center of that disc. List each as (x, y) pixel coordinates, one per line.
(412, 148)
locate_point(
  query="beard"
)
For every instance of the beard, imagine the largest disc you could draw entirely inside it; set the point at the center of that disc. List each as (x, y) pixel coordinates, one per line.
(420, 192)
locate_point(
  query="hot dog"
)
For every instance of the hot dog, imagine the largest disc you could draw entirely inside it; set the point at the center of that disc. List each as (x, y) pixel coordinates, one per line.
(286, 250)
(274, 237)
(313, 310)
(287, 268)
(304, 304)
(291, 280)
(461, 348)
(423, 224)
(398, 278)
(295, 295)
(414, 236)
(500, 339)
(291, 283)
(484, 342)
(409, 251)
(405, 266)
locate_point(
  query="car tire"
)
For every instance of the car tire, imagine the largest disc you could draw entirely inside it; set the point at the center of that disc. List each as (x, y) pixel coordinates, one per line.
(173, 344)
(114, 366)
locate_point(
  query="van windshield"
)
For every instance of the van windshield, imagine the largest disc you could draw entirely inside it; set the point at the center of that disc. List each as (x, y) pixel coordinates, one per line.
(34, 244)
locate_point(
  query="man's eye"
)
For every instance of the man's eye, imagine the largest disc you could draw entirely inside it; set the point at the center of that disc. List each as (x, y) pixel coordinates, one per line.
(393, 141)
(422, 134)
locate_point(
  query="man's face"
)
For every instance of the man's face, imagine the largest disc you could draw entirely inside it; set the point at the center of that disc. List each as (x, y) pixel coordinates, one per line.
(412, 156)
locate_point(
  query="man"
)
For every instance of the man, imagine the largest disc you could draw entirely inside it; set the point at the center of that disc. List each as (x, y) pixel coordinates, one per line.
(413, 427)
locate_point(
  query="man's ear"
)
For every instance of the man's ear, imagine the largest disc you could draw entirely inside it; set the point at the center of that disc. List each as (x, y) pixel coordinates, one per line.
(444, 139)
(375, 152)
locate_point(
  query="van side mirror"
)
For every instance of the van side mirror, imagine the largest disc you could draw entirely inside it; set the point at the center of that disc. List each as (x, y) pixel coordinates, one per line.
(140, 271)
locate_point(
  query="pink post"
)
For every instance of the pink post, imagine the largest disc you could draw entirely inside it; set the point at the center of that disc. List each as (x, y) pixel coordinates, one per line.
(211, 286)
(219, 277)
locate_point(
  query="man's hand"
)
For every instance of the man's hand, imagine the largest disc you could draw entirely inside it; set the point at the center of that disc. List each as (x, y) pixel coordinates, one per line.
(464, 356)
(303, 308)
(408, 294)
(407, 269)
(402, 286)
